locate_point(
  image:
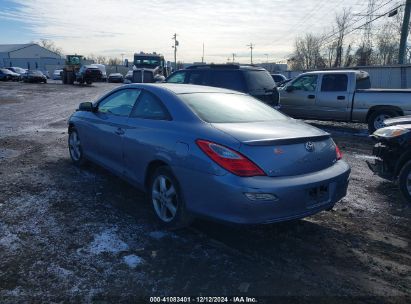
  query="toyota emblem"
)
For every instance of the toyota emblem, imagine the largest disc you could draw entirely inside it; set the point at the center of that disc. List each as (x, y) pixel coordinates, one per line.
(309, 146)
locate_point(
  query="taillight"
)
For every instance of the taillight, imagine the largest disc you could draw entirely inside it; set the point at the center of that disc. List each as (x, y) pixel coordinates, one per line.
(229, 159)
(338, 153)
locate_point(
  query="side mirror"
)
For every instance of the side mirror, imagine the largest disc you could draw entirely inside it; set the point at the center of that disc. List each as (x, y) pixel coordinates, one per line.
(86, 106)
(290, 88)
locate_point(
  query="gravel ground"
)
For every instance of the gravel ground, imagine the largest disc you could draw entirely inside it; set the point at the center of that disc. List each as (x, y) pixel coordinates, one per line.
(84, 235)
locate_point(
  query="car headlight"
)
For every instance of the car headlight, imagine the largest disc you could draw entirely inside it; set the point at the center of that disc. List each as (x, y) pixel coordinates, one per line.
(390, 132)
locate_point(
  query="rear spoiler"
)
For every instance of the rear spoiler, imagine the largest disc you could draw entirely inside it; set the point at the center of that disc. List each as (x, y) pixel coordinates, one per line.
(285, 141)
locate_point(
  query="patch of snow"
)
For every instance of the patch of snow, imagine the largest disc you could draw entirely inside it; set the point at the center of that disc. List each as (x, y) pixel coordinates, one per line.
(60, 271)
(158, 235)
(8, 240)
(360, 156)
(107, 241)
(133, 260)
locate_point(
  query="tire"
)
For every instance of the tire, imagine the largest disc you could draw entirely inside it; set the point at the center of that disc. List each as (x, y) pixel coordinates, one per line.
(165, 196)
(75, 149)
(375, 121)
(404, 181)
(89, 82)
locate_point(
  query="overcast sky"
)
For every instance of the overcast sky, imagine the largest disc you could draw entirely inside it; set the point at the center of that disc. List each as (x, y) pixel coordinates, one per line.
(110, 28)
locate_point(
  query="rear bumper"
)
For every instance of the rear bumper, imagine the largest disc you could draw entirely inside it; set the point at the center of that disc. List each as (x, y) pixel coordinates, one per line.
(223, 197)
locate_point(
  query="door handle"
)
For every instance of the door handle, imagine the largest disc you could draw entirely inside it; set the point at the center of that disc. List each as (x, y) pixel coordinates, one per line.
(119, 131)
(340, 97)
(311, 96)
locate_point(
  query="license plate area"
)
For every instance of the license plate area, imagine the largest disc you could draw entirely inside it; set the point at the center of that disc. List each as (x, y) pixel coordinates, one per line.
(318, 195)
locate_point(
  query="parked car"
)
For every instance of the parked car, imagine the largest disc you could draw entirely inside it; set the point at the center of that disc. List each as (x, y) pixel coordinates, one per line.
(283, 83)
(241, 161)
(102, 69)
(115, 77)
(57, 74)
(6, 75)
(34, 76)
(343, 95)
(252, 80)
(44, 72)
(278, 78)
(393, 153)
(17, 70)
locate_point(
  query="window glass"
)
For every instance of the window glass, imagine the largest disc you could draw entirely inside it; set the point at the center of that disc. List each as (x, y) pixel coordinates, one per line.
(231, 108)
(306, 83)
(334, 83)
(119, 103)
(232, 80)
(150, 107)
(259, 80)
(363, 83)
(196, 77)
(177, 77)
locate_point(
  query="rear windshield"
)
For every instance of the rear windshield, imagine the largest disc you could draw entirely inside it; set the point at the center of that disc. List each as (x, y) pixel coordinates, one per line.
(259, 80)
(363, 83)
(229, 108)
(232, 80)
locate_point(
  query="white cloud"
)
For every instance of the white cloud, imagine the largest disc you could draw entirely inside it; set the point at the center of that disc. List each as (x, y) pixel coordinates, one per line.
(127, 26)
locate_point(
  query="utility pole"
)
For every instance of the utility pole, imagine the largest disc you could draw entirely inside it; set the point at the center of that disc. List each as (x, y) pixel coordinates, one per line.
(175, 50)
(404, 32)
(251, 46)
(233, 57)
(122, 59)
(266, 55)
(202, 58)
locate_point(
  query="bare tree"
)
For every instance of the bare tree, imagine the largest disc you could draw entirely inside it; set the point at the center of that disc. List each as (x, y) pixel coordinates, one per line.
(341, 21)
(51, 46)
(348, 58)
(101, 59)
(114, 61)
(307, 53)
(92, 57)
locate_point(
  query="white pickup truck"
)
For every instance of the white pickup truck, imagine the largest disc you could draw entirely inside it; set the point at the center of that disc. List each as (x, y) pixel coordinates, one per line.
(343, 95)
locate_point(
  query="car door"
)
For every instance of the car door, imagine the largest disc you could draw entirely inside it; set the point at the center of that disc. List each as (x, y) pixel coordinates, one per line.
(333, 99)
(149, 126)
(107, 127)
(298, 98)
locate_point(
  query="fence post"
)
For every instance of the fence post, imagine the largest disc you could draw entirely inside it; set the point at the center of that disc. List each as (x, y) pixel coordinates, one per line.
(403, 77)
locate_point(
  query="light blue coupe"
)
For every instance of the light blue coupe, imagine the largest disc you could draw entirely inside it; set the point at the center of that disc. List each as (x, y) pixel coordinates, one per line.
(211, 152)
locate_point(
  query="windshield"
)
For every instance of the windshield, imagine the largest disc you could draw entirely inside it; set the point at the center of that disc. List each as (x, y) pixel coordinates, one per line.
(259, 80)
(229, 108)
(147, 61)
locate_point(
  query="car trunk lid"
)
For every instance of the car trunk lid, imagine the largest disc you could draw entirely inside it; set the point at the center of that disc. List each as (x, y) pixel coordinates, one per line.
(283, 147)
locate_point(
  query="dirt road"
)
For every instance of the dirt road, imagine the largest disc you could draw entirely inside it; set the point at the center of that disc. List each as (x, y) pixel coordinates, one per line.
(69, 234)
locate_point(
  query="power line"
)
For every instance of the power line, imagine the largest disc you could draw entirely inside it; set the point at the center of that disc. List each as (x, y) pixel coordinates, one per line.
(363, 17)
(368, 22)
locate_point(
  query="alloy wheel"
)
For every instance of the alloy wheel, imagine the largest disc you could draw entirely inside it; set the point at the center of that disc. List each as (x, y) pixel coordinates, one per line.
(164, 198)
(74, 146)
(379, 121)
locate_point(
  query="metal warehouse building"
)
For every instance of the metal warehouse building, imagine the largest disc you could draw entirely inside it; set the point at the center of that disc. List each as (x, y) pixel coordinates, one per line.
(29, 56)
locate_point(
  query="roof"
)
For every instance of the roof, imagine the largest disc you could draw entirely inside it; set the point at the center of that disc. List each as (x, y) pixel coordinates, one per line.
(5, 48)
(224, 66)
(336, 71)
(184, 88)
